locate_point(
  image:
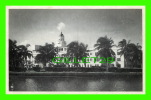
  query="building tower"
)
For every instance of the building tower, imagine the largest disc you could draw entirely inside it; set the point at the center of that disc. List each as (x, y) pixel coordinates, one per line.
(61, 45)
(61, 41)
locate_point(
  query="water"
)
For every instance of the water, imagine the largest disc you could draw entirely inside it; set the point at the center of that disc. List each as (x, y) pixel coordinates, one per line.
(99, 83)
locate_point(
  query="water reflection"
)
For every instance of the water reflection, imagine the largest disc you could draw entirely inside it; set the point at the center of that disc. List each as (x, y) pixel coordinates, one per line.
(104, 83)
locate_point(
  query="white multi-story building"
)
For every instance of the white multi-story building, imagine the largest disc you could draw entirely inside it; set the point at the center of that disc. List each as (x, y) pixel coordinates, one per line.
(119, 60)
(62, 51)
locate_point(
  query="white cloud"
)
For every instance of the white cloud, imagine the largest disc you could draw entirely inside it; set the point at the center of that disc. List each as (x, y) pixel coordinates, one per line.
(25, 42)
(61, 26)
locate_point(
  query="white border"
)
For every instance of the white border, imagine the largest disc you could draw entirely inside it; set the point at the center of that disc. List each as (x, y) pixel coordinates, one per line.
(76, 7)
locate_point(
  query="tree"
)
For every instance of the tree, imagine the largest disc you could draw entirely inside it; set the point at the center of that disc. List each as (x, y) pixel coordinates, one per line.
(46, 53)
(104, 46)
(132, 53)
(77, 50)
(13, 54)
(140, 54)
(18, 55)
(24, 53)
(124, 50)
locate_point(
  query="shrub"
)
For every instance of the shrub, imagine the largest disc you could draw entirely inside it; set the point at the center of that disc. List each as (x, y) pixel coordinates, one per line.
(75, 69)
(37, 68)
(129, 70)
(113, 69)
(18, 69)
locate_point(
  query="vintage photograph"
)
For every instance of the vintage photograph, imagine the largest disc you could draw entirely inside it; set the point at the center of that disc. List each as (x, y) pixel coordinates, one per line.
(75, 49)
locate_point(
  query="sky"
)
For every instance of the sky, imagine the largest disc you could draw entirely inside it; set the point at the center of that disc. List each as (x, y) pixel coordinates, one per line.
(40, 26)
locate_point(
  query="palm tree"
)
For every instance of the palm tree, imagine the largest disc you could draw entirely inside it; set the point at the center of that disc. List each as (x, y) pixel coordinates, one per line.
(77, 50)
(139, 58)
(18, 54)
(13, 54)
(135, 55)
(47, 52)
(132, 53)
(104, 46)
(123, 50)
(24, 53)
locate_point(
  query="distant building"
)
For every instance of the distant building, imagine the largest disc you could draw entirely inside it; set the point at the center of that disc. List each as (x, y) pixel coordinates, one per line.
(35, 53)
(37, 47)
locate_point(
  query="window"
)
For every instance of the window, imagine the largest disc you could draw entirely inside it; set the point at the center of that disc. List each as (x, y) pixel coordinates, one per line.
(90, 53)
(60, 49)
(95, 53)
(118, 65)
(118, 53)
(118, 59)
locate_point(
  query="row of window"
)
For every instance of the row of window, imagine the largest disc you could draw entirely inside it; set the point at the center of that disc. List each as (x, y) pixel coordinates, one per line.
(88, 65)
(65, 49)
(118, 59)
(61, 49)
(98, 59)
(118, 53)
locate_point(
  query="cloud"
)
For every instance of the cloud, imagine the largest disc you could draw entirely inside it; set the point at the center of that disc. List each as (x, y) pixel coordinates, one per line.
(26, 42)
(61, 26)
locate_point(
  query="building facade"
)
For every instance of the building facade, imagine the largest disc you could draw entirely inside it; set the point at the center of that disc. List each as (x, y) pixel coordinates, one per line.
(61, 47)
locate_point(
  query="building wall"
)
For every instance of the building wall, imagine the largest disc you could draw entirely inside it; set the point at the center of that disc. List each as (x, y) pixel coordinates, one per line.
(119, 59)
(62, 50)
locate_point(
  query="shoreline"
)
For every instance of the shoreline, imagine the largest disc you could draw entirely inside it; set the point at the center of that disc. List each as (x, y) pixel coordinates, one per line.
(73, 73)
